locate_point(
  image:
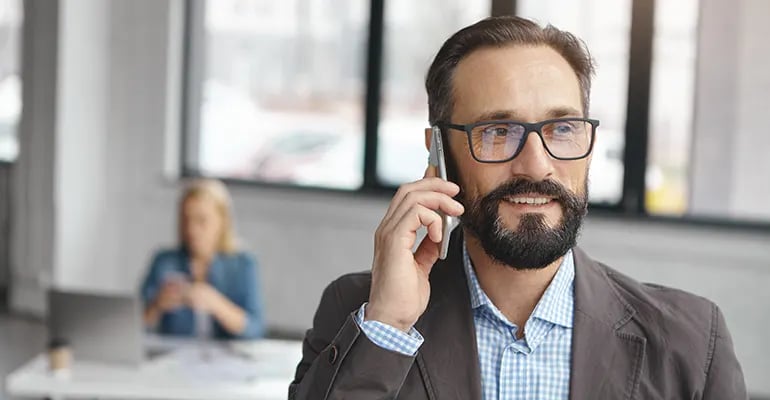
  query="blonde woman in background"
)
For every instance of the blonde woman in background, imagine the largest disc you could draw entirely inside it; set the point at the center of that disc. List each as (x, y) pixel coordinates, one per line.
(205, 286)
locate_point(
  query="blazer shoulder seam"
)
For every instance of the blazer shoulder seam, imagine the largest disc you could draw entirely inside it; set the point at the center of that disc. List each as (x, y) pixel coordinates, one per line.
(712, 338)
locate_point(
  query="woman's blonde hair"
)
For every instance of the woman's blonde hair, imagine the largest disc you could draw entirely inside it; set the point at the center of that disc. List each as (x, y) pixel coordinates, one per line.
(216, 191)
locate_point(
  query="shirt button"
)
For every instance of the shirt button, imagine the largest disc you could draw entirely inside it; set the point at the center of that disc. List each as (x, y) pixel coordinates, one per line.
(333, 354)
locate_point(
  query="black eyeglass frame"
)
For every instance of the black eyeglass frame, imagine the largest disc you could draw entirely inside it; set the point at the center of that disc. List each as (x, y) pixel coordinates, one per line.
(528, 128)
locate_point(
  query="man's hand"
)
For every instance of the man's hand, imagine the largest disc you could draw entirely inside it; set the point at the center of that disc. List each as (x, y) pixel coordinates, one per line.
(400, 288)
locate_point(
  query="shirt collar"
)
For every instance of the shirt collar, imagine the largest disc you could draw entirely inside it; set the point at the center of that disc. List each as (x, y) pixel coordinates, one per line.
(215, 267)
(557, 304)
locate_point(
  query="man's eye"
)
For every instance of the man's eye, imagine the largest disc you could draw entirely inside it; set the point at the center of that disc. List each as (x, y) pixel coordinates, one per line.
(563, 129)
(496, 131)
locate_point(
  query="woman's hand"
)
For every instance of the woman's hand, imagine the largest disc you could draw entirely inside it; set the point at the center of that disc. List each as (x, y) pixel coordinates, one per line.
(201, 296)
(170, 297)
(205, 298)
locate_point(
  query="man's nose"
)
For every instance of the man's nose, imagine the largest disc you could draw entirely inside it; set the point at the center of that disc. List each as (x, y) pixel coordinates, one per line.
(533, 161)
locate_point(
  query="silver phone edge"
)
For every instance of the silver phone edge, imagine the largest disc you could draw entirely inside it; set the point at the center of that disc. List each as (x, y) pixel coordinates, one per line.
(448, 223)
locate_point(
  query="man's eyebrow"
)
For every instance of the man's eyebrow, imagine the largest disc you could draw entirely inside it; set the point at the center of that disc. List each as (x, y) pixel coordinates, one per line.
(560, 112)
(557, 112)
(497, 115)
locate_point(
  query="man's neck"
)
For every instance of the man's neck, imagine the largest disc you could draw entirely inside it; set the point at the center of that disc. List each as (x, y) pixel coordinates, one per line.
(513, 291)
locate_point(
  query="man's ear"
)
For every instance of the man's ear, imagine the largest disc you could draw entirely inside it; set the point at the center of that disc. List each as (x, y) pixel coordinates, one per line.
(428, 137)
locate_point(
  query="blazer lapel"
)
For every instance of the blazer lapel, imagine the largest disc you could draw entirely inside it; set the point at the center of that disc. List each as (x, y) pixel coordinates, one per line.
(448, 359)
(606, 359)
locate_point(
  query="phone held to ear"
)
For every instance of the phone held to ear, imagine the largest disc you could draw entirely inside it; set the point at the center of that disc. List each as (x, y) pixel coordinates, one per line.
(436, 158)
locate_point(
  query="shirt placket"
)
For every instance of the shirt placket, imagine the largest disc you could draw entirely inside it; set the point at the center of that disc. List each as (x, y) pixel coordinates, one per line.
(513, 364)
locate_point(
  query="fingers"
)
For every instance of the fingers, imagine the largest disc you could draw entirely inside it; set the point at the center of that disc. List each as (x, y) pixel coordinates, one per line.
(201, 291)
(413, 206)
(430, 200)
(402, 233)
(427, 254)
(422, 216)
(174, 287)
(429, 184)
(169, 301)
(190, 298)
(400, 287)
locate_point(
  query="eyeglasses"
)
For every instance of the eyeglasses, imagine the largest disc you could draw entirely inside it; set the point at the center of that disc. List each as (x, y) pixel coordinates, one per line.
(501, 141)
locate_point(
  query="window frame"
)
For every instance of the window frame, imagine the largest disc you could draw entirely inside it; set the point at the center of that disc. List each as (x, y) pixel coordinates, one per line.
(631, 205)
(22, 43)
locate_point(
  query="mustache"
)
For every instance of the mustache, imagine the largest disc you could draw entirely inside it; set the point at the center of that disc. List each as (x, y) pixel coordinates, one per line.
(519, 186)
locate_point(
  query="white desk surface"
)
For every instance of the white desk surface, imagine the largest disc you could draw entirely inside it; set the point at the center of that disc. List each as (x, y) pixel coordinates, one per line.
(172, 376)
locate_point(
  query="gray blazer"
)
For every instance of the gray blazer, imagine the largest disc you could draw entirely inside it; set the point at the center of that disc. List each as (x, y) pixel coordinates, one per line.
(630, 341)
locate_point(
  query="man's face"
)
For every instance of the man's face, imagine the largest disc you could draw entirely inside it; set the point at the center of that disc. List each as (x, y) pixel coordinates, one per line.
(527, 84)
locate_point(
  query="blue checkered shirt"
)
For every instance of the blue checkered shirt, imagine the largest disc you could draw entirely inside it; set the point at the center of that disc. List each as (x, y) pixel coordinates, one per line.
(537, 366)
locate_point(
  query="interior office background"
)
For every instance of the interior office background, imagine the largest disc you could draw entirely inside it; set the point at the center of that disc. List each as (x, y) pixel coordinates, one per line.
(313, 111)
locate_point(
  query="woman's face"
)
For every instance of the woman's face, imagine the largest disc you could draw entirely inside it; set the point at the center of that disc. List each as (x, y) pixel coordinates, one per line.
(202, 225)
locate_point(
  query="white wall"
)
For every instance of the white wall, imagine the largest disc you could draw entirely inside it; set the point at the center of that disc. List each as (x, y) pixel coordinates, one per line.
(120, 202)
(32, 221)
(730, 167)
(751, 155)
(83, 152)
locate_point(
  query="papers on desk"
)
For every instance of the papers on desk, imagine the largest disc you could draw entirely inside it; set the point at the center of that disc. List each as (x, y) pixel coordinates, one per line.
(216, 363)
(234, 361)
(243, 370)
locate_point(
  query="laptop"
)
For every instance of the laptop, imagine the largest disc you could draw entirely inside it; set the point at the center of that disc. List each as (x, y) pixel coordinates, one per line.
(99, 327)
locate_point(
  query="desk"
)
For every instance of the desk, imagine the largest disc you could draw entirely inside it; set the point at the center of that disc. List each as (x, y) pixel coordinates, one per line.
(170, 376)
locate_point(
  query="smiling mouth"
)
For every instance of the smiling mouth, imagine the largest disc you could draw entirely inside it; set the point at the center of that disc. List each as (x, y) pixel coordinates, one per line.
(530, 200)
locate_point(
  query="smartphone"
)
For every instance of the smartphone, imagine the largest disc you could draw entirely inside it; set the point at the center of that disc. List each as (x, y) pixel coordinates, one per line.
(436, 158)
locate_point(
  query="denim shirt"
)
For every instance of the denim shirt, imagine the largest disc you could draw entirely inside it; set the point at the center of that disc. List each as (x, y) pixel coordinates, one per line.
(233, 275)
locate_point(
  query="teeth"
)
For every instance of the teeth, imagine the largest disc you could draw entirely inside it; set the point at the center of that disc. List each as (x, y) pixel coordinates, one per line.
(530, 200)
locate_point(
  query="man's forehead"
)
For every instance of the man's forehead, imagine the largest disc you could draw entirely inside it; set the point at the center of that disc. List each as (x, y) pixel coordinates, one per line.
(524, 82)
(551, 113)
(516, 55)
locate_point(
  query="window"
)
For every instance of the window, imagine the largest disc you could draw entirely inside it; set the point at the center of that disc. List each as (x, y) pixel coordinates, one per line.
(10, 80)
(604, 25)
(404, 111)
(708, 140)
(282, 91)
(671, 101)
(293, 92)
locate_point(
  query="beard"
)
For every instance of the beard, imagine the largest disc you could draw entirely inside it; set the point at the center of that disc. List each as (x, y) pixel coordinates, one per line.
(533, 244)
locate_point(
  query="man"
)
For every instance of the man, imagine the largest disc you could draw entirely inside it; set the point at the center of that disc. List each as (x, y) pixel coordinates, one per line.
(516, 311)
